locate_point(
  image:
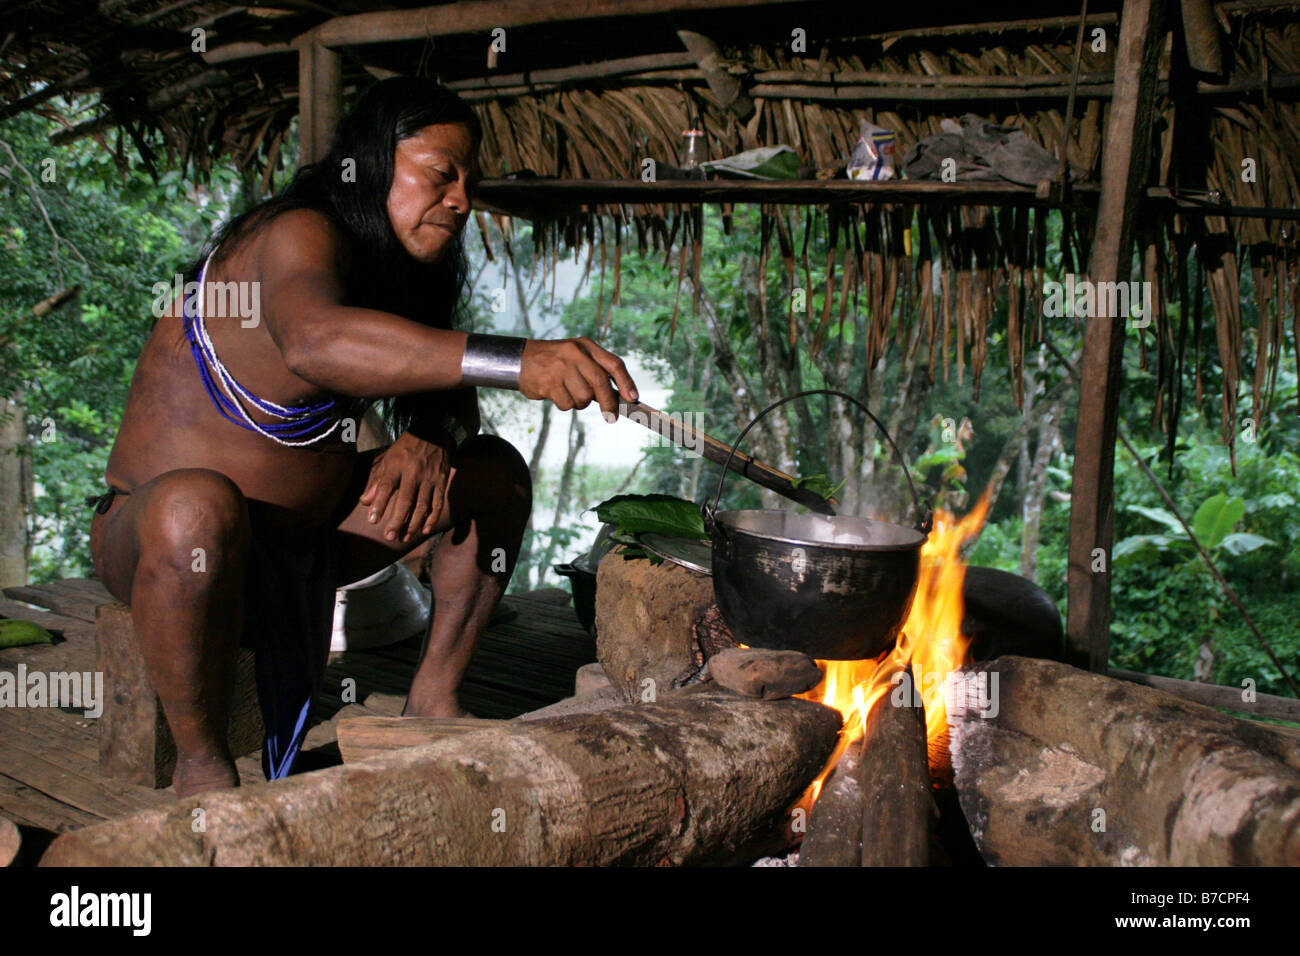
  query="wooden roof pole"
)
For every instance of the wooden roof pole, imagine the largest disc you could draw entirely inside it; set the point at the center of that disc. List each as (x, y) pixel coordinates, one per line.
(1123, 178)
(320, 92)
(480, 16)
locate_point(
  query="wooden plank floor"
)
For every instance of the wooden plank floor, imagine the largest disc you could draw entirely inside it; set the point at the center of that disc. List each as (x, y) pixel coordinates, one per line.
(49, 777)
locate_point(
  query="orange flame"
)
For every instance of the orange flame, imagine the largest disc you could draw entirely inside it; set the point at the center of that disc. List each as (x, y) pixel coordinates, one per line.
(931, 642)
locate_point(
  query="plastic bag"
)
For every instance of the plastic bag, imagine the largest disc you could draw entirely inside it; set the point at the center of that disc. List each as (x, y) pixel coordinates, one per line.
(873, 154)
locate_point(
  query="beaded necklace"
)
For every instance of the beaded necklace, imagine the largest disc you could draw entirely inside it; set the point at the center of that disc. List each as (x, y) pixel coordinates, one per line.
(295, 421)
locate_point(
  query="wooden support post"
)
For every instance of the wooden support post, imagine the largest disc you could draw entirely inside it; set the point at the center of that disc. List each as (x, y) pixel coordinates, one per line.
(1123, 176)
(135, 744)
(320, 89)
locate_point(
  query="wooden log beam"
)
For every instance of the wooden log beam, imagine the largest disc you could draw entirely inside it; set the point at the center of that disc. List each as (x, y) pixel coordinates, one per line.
(363, 737)
(229, 52)
(1268, 706)
(605, 69)
(1030, 25)
(834, 836)
(1123, 176)
(693, 779)
(1201, 36)
(1072, 768)
(572, 193)
(480, 16)
(320, 91)
(898, 811)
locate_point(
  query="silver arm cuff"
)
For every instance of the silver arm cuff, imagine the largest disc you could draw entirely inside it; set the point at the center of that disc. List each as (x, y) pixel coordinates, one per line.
(492, 360)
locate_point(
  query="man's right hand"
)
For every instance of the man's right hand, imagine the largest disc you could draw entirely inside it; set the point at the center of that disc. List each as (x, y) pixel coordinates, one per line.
(572, 372)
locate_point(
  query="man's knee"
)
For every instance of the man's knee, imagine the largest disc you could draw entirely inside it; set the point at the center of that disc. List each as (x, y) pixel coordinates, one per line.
(195, 518)
(496, 454)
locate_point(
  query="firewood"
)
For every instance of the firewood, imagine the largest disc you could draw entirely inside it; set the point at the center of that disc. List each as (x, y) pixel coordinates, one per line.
(10, 840)
(362, 737)
(1067, 767)
(834, 836)
(898, 811)
(764, 674)
(690, 779)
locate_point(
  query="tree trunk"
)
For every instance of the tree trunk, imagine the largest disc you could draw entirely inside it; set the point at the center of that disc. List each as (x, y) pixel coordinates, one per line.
(1049, 437)
(15, 493)
(1068, 768)
(693, 779)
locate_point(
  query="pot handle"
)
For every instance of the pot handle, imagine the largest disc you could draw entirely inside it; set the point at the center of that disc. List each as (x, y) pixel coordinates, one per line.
(708, 510)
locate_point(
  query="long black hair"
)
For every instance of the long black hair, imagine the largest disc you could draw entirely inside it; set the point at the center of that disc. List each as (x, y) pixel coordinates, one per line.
(382, 274)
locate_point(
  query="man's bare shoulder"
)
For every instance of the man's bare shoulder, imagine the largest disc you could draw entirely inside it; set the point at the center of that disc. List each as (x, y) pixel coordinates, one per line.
(298, 237)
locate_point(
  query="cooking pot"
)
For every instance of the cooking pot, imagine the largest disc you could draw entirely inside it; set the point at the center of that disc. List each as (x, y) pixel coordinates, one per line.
(834, 588)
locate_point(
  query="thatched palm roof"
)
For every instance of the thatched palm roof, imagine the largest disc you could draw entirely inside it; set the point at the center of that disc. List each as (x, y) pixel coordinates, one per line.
(589, 97)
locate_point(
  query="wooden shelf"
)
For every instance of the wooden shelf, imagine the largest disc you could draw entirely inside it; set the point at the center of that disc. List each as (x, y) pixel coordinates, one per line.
(550, 198)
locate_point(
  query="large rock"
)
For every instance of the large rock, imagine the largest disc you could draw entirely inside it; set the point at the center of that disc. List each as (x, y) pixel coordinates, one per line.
(644, 618)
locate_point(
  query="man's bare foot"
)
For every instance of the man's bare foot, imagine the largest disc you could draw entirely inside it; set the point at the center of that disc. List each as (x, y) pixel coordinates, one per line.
(197, 774)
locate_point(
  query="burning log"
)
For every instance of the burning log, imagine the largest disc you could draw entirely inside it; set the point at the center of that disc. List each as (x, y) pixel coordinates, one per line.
(894, 773)
(875, 808)
(693, 778)
(1067, 767)
(834, 835)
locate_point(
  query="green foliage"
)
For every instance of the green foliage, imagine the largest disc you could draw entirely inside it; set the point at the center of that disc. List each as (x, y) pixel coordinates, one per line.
(71, 216)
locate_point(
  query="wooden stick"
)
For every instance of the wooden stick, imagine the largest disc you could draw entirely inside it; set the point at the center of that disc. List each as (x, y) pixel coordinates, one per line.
(680, 433)
(834, 836)
(894, 773)
(480, 16)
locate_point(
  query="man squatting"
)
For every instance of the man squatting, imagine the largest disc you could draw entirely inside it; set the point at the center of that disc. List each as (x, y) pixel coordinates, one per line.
(235, 508)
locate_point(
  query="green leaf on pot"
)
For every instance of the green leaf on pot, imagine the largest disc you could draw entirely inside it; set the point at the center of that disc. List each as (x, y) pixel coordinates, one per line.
(660, 514)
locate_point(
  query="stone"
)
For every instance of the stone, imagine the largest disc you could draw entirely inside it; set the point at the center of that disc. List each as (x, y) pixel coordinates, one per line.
(764, 674)
(590, 679)
(644, 623)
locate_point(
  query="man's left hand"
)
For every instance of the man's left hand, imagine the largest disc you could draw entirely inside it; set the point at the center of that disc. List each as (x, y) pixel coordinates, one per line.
(408, 482)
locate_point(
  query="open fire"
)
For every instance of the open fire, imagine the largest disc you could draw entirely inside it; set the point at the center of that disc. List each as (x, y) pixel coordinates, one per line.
(931, 642)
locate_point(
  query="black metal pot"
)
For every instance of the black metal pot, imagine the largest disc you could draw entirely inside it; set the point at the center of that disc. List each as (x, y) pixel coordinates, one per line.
(581, 572)
(582, 581)
(835, 588)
